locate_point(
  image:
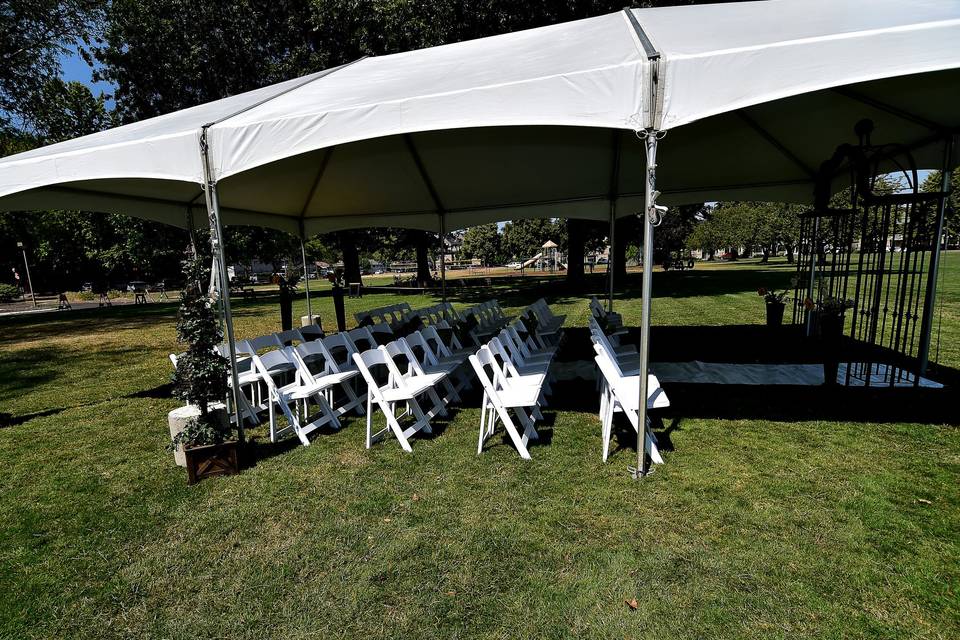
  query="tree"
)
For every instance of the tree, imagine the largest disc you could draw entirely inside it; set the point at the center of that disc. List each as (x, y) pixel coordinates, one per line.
(523, 239)
(484, 244)
(766, 226)
(934, 182)
(33, 35)
(582, 236)
(201, 374)
(69, 110)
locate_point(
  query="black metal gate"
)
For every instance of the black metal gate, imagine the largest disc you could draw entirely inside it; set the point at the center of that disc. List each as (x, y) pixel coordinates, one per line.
(876, 254)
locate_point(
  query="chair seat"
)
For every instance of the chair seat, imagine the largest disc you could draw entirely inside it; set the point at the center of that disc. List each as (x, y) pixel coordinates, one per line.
(629, 393)
(519, 396)
(533, 369)
(529, 380)
(538, 358)
(413, 387)
(452, 359)
(342, 376)
(245, 378)
(445, 368)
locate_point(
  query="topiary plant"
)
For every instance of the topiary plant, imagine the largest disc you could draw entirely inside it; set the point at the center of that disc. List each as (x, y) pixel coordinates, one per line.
(8, 292)
(201, 375)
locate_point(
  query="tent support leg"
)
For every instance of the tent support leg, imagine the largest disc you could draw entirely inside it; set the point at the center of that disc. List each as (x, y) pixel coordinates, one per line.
(223, 280)
(613, 225)
(929, 300)
(443, 259)
(306, 277)
(650, 212)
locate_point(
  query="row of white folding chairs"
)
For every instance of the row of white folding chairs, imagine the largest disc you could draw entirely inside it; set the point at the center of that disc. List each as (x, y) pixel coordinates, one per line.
(514, 371)
(548, 324)
(489, 318)
(619, 379)
(609, 318)
(288, 378)
(417, 368)
(245, 372)
(391, 315)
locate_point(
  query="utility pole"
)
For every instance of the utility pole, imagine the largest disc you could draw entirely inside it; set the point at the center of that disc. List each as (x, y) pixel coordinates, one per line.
(26, 266)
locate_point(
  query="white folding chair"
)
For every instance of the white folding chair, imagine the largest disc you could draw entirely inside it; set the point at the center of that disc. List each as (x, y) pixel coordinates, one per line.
(386, 387)
(248, 377)
(362, 339)
(298, 396)
(528, 344)
(500, 396)
(521, 363)
(288, 337)
(521, 375)
(311, 332)
(424, 356)
(623, 394)
(381, 333)
(315, 365)
(413, 373)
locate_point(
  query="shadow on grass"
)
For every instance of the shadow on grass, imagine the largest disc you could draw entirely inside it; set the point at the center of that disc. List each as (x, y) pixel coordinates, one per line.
(9, 420)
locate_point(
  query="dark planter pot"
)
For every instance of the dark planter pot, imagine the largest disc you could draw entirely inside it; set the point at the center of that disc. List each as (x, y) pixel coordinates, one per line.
(286, 309)
(775, 314)
(210, 461)
(831, 332)
(338, 307)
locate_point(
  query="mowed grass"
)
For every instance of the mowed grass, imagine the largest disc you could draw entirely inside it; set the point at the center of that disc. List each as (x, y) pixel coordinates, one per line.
(753, 528)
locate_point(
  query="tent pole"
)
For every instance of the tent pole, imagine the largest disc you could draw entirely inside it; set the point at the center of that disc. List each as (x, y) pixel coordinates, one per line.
(306, 274)
(223, 280)
(443, 261)
(929, 299)
(613, 224)
(650, 212)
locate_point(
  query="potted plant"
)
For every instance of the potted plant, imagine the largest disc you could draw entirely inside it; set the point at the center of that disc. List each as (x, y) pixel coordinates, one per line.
(830, 322)
(337, 278)
(206, 438)
(775, 305)
(288, 287)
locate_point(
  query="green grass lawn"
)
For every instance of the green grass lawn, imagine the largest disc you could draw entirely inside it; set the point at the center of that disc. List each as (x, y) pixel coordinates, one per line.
(753, 528)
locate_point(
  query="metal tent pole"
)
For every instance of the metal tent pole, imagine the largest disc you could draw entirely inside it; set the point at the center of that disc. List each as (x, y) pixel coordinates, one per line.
(223, 281)
(443, 261)
(306, 274)
(613, 225)
(26, 266)
(929, 300)
(650, 212)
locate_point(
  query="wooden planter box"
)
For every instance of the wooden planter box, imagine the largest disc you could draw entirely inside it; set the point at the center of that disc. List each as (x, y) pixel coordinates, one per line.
(210, 461)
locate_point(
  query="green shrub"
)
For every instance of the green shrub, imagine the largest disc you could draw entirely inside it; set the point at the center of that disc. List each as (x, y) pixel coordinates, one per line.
(8, 292)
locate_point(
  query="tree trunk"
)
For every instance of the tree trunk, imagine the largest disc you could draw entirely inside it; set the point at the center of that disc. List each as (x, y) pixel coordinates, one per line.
(766, 255)
(423, 266)
(575, 250)
(351, 256)
(790, 253)
(620, 248)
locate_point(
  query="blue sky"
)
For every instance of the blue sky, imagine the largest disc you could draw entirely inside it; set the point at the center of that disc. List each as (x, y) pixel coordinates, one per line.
(74, 68)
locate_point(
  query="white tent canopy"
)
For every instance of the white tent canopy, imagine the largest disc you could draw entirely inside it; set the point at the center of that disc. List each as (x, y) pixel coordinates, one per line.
(535, 123)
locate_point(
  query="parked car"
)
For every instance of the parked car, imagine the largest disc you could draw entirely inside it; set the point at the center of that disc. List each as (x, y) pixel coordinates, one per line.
(513, 265)
(137, 285)
(87, 287)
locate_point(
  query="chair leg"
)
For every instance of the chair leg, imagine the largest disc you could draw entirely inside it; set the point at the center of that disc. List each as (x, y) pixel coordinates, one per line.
(518, 441)
(369, 423)
(607, 428)
(483, 423)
